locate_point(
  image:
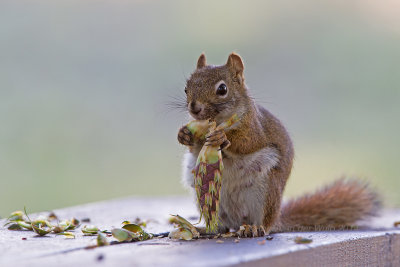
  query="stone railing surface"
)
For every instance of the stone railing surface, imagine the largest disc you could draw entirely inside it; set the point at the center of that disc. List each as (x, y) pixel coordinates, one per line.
(377, 243)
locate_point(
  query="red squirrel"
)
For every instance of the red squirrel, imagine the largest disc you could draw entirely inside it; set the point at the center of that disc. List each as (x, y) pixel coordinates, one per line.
(258, 162)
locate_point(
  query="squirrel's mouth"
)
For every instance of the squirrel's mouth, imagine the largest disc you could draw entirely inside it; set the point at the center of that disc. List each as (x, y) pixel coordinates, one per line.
(199, 116)
(198, 111)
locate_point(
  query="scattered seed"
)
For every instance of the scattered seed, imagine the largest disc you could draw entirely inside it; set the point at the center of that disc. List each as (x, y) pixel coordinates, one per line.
(219, 241)
(269, 237)
(86, 220)
(24, 238)
(52, 216)
(261, 242)
(100, 257)
(237, 241)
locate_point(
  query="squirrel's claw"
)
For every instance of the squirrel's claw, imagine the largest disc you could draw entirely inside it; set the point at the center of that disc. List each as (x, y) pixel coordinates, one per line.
(251, 231)
(217, 138)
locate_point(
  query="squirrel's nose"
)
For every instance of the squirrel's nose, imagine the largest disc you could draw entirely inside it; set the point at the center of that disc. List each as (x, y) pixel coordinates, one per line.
(195, 108)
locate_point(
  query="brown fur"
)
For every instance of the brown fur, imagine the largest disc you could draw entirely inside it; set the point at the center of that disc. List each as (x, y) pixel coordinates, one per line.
(343, 203)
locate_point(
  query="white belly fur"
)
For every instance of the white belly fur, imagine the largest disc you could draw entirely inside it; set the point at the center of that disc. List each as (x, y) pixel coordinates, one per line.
(244, 182)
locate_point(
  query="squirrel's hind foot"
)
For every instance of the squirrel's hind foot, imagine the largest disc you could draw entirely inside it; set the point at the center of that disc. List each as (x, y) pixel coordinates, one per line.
(247, 230)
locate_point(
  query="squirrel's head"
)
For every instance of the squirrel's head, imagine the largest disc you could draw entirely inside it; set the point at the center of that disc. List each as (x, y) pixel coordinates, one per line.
(216, 92)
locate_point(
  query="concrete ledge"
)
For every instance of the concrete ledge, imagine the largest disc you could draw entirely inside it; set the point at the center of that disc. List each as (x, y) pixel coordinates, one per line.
(376, 244)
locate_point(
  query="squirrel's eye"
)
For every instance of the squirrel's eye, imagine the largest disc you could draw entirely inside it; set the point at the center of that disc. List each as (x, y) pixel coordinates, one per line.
(222, 89)
(185, 91)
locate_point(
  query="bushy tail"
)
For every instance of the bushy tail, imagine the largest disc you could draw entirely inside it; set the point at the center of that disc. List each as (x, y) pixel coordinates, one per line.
(340, 204)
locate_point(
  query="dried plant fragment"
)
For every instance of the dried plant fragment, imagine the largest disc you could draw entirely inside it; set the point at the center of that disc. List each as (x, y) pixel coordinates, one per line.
(16, 216)
(67, 235)
(181, 233)
(122, 234)
(102, 240)
(90, 229)
(41, 227)
(26, 225)
(14, 227)
(132, 228)
(183, 223)
(302, 240)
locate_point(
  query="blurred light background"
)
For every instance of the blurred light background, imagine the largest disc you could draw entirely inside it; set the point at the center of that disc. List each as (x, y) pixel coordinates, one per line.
(83, 87)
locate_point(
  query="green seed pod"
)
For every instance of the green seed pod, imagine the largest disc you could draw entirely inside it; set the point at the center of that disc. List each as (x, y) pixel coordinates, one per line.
(208, 172)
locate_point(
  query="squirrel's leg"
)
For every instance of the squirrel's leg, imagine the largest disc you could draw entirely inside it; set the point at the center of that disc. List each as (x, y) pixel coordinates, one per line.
(247, 189)
(271, 208)
(276, 183)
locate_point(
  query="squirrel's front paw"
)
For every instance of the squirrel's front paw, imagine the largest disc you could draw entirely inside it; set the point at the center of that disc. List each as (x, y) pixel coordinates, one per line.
(185, 137)
(217, 138)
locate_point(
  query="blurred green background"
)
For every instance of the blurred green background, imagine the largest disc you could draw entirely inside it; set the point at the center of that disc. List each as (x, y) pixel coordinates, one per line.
(84, 86)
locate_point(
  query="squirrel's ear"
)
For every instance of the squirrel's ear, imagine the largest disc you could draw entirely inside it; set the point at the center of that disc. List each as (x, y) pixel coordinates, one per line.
(201, 62)
(235, 64)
